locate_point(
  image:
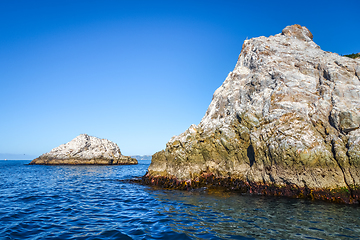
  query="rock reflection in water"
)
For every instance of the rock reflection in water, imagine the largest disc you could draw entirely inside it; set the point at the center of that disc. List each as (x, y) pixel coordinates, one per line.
(208, 213)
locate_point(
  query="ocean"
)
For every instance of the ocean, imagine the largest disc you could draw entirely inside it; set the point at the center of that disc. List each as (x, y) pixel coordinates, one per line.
(94, 202)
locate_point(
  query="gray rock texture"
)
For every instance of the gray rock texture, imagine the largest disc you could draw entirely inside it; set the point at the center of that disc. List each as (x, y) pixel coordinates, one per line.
(287, 115)
(85, 150)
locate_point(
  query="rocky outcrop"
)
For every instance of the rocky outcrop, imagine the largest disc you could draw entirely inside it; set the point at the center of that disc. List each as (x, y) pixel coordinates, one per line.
(285, 122)
(85, 150)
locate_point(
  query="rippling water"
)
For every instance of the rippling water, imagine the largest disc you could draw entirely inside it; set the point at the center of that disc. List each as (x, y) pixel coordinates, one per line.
(89, 202)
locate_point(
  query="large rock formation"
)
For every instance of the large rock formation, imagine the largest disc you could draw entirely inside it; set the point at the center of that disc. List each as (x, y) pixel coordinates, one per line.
(285, 122)
(85, 150)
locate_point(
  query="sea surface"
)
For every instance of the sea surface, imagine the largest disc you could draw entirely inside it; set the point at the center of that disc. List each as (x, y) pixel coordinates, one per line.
(92, 202)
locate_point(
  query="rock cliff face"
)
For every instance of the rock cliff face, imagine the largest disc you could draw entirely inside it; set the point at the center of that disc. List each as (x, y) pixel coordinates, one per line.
(284, 122)
(85, 150)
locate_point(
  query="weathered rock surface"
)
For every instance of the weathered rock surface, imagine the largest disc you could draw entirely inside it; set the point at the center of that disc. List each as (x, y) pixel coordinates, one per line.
(285, 122)
(85, 150)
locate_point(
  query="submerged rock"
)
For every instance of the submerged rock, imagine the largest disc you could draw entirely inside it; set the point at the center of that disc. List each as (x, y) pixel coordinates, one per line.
(285, 122)
(85, 150)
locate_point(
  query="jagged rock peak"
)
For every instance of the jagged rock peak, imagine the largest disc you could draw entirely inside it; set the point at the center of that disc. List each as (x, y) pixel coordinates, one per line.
(298, 32)
(287, 115)
(85, 149)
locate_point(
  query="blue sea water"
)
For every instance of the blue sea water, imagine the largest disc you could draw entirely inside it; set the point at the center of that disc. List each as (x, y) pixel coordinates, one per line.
(91, 202)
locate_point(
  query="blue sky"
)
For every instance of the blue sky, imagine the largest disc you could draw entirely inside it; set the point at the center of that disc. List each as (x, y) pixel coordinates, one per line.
(134, 72)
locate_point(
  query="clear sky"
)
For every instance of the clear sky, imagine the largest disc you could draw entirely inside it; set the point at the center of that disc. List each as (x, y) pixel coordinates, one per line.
(135, 72)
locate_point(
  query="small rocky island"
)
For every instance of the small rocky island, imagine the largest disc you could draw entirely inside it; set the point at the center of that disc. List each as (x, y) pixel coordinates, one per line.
(85, 150)
(285, 122)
